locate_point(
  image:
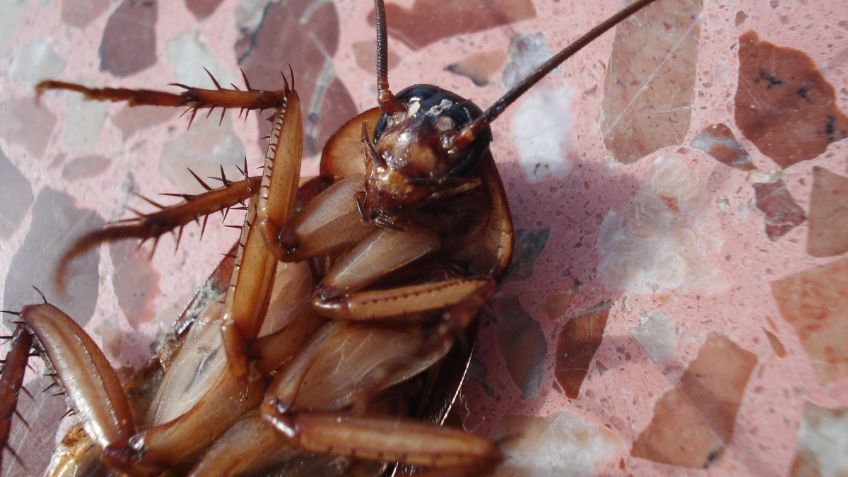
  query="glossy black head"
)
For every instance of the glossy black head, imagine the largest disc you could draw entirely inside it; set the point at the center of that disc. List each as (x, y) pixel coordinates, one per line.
(430, 109)
(414, 158)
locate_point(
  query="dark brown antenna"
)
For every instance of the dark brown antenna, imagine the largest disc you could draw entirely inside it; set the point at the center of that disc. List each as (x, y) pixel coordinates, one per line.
(385, 98)
(469, 132)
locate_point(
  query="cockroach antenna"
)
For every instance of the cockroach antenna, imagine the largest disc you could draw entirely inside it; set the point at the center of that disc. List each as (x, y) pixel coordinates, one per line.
(41, 293)
(387, 101)
(471, 131)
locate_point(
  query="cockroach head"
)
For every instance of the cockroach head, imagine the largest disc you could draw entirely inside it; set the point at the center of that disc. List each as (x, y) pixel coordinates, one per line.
(429, 141)
(413, 157)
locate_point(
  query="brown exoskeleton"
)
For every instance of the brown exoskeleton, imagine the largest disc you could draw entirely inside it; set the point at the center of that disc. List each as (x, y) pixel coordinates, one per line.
(342, 290)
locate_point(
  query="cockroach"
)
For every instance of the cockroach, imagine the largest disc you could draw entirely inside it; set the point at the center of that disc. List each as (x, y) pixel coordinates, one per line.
(306, 351)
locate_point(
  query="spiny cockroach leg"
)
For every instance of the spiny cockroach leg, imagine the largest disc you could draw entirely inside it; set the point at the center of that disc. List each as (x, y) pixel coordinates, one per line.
(167, 219)
(193, 98)
(252, 279)
(91, 384)
(11, 383)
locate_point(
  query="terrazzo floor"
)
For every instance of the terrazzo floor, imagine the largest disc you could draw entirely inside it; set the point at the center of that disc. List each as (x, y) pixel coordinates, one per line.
(678, 300)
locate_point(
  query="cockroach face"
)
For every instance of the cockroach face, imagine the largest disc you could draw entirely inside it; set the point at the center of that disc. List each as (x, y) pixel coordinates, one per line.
(413, 161)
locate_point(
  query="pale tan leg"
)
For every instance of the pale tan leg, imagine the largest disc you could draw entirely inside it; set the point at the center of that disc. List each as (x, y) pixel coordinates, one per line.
(380, 253)
(348, 362)
(402, 303)
(452, 324)
(178, 441)
(90, 383)
(327, 224)
(391, 440)
(250, 289)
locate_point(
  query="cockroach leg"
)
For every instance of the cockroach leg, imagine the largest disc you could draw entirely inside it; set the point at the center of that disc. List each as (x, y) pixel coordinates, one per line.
(193, 98)
(89, 381)
(10, 385)
(378, 254)
(401, 303)
(321, 377)
(394, 440)
(176, 442)
(167, 219)
(238, 388)
(349, 363)
(327, 224)
(200, 397)
(451, 325)
(249, 293)
(276, 349)
(250, 445)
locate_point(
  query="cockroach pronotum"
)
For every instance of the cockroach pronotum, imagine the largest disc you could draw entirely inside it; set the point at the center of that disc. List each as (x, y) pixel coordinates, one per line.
(319, 346)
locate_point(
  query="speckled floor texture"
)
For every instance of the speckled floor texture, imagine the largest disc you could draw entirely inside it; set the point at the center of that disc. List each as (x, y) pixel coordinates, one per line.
(678, 300)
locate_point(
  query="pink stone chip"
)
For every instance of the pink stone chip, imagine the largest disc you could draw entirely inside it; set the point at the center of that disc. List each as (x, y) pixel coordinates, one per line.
(556, 304)
(576, 346)
(294, 33)
(85, 167)
(529, 244)
(454, 18)
(693, 423)
(15, 197)
(522, 344)
(782, 213)
(202, 8)
(815, 303)
(80, 13)
(481, 67)
(129, 40)
(18, 117)
(828, 231)
(56, 222)
(136, 282)
(783, 103)
(775, 343)
(366, 56)
(718, 141)
(131, 120)
(650, 84)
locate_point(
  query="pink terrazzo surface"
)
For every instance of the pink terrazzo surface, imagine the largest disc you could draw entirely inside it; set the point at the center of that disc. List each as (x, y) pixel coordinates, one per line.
(678, 298)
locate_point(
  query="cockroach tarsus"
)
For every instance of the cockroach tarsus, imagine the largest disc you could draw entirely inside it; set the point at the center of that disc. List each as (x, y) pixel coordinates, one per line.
(336, 311)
